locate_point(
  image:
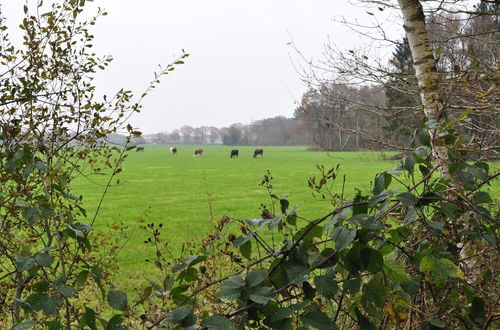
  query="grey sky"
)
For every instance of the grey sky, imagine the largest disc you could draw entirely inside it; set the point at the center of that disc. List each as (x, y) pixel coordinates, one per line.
(239, 69)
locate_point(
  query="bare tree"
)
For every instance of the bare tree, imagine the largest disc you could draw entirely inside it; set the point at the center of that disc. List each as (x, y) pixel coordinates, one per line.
(439, 73)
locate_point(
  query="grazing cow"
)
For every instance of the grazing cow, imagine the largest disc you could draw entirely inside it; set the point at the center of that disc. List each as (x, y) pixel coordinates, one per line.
(258, 152)
(173, 150)
(198, 152)
(139, 149)
(234, 153)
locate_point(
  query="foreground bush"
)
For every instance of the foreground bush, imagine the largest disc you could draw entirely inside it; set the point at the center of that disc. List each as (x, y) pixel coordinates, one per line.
(414, 252)
(53, 271)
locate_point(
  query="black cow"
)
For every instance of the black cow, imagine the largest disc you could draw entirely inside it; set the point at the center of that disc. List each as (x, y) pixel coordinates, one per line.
(258, 152)
(139, 149)
(234, 153)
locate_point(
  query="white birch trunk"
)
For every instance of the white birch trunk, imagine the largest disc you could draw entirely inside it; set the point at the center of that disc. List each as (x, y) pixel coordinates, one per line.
(426, 74)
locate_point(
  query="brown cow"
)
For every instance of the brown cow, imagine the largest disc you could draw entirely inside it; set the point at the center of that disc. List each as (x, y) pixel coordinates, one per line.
(258, 152)
(198, 152)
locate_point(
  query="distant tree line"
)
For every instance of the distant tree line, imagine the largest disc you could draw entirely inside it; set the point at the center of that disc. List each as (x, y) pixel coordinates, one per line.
(271, 131)
(320, 112)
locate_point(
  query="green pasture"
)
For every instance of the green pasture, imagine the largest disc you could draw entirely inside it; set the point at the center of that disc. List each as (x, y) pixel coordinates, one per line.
(188, 195)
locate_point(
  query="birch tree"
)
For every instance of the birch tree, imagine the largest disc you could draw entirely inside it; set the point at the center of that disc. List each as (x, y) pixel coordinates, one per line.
(427, 77)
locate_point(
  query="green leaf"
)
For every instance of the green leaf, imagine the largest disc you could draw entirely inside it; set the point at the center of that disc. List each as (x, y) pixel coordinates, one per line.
(42, 286)
(177, 293)
(246, 250)
(218, 322)
(25, 263)
(117, 299)
(24, 325)
(51, 305)
(410, 216)
(382, 182)
(424, 170)
(278, 278)
(78, 233)
(343, 236)
(261, 295)
(43, 259)
(53, 325)
(89, 318)
(231, 288)
(82, 226)
(194, 260)
(438, 271)
(372, 260)
(178, 267)
(437, 323)
(326, 286)
(37, 300)
(435, 225)
(362, 207)
(239, 241)
(31, 214)
(297, 274)
(482, 197)
(478, 173)
(378, 199)
(366, 222)
(115, 323)
(301, 305)
(280, 313)
(425, 137)
(407, 198)
(409, 163)
(428, 198)
(317, 319)
(66, 291)
(309, 291)
(395, 271)
(291, 219)
(256, 277)
(22, 203)
(483, 165)
(452, 269)
(81, 278)
(336, 218)
(431, 124)
(42, 166)
(422, 151)
(179, 314)
(374, 296)
(476, 310)
(411, 287)
(450, 209)
(284, 203)
(352, 286)
(364, 322)
(328, 258)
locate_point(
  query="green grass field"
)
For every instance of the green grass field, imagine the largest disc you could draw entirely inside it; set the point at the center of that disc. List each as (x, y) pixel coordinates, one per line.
(181, 191)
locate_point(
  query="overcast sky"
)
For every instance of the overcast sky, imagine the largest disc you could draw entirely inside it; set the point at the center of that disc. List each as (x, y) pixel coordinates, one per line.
(241, 64)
